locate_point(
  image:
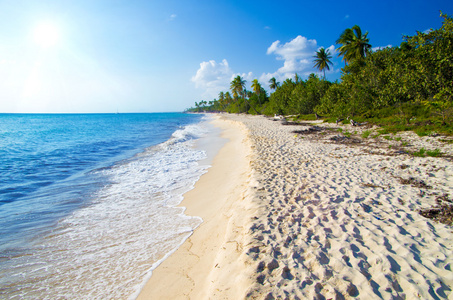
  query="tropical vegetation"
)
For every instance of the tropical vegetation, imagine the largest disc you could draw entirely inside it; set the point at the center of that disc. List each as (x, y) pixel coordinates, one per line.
(401, 87)
(322, 60)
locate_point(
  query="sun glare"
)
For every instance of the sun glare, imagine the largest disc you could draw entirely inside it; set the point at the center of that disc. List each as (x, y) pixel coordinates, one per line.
(46, 34)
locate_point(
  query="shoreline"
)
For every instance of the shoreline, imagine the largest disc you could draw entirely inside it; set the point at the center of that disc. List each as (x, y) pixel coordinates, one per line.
(207, 262)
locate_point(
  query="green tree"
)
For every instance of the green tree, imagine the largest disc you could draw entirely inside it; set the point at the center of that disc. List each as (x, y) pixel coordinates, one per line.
(256, 86)
(228, 98)
(322, 60)
(354, 44)
(221, 100)
(308, 94)
(237, 86)
(273, 83)
(281, 98)
(334, 102)
(432, 63)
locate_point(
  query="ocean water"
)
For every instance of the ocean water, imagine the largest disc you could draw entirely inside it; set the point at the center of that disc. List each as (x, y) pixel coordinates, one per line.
(88, 202)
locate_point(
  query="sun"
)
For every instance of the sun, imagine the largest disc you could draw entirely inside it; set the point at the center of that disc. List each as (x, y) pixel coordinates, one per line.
(46, 34)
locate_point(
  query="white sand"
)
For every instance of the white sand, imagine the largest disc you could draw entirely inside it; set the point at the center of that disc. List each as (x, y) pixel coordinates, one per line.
(300, 218)
(337, 223)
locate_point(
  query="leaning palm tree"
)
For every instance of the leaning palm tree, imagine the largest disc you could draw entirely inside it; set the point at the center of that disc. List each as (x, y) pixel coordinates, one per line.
(354, 44)
(322, 60)
(273, 83)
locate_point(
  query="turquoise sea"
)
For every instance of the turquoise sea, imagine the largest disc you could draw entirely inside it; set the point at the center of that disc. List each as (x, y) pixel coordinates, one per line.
(88, 201)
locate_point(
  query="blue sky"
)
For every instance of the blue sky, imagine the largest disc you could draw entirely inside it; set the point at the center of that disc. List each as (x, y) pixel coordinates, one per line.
(158, 56)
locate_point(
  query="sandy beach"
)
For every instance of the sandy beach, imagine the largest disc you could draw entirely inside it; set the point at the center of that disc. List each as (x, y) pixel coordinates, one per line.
(306, 212)
(211, 262)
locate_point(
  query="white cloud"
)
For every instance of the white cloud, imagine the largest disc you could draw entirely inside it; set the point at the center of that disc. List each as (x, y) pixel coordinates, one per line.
(298, 48)
(297, 56)
(172, 17)
(380, 47)
(264, 79)
(332, 50)
(213, 77)
(216, 77)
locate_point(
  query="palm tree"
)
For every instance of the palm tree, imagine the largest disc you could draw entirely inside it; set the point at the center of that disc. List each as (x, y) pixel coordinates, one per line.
(256, 86)
(354, 44)
(237, 86)
(222, 99)
(297, 78)
(322, 60)
(273, 83)
(228, 98)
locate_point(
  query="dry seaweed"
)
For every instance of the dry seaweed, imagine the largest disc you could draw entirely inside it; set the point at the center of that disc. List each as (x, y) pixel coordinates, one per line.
(371, 185)
(311, 130)
(414, 182)
(345, 140)
(442, 213)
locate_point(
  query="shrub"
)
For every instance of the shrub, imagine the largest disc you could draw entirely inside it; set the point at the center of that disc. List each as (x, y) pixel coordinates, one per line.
(434, 153)
(366, 134)
(420, 153)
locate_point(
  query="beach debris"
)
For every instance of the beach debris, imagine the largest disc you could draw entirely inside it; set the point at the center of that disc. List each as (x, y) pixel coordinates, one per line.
(345, 140)
(372, 185)
(400, 152)
(280, 118)
(310, 130)
(339, 120)
(443, 198)
(414, 182)
(353, 123)
(286, 122)
(442, 213)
